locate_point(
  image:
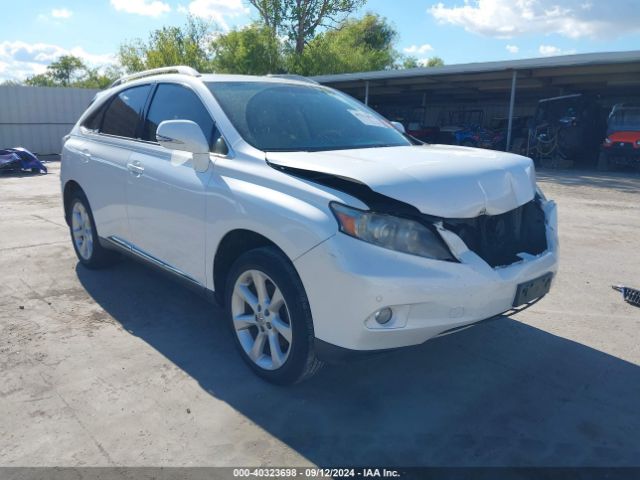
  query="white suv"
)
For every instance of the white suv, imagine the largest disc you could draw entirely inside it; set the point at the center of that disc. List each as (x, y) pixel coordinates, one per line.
(321, 228)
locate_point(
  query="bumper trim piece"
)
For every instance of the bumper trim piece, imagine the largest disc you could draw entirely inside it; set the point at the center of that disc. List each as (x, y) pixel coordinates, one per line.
(330, 353)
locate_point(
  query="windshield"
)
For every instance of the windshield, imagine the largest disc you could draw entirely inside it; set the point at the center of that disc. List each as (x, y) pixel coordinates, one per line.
(288, 117)
(554, 111)
(625, 119)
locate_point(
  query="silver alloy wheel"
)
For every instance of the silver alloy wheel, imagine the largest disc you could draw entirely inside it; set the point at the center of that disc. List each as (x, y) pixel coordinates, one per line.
(81, 230)
(261, 319)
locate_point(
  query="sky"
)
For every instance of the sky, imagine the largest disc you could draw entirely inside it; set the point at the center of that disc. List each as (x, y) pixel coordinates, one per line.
(459, 31)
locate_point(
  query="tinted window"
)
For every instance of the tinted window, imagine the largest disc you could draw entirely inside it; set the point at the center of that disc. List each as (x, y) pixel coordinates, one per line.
(288, 117)
(94, 120)
(122, 114)
(174, 102)
(625, 119)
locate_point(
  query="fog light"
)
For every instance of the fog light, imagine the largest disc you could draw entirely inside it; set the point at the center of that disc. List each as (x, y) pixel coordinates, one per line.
(383, 315)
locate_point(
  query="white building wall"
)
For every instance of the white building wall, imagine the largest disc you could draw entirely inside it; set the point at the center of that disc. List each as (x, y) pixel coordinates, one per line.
(37, 118)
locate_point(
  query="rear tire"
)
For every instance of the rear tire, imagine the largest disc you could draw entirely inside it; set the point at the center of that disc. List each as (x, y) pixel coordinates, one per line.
(270, 319)
(84, 235)
(603, 162)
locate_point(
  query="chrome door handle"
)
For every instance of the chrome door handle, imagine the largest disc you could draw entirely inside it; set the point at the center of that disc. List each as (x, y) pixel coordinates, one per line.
(135, 168)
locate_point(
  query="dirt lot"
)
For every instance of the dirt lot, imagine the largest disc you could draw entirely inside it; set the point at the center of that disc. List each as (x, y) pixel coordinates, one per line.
(125, 367)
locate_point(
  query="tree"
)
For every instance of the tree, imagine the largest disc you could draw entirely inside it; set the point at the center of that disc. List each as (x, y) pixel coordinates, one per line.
(66, 68)
(99, 78)
(168, 46)
(413, 62)
(300, 19)
(410, 62)
(252, 50)
(435, 62)
(270, 12)
(60, 73)
(40, 80)
(257, 49)
(70, 71)
(358, 45)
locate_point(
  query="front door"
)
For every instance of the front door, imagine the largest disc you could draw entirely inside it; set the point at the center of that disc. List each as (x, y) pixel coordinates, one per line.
(166, 196)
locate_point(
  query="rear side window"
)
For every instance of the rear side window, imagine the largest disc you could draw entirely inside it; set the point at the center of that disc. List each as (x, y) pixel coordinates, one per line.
(175, 102)
(94, 120)
(123, 113)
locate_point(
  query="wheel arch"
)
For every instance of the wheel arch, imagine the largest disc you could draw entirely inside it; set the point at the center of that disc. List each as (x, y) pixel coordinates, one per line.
(234, 244)
(70, 188)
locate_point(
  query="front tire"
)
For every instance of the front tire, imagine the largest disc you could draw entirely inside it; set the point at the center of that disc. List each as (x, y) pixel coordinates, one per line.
(84, 235)
(270, 318)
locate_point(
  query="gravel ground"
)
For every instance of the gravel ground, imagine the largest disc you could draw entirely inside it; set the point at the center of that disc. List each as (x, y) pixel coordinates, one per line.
(126, 367)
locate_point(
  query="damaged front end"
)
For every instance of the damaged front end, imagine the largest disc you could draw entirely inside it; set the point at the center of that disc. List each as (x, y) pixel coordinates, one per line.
(499, 240)
(456, 270)
(504, 239)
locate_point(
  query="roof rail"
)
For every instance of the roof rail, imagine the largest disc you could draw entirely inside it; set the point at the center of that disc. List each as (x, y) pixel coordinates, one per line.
(291, 76)
(182, 69)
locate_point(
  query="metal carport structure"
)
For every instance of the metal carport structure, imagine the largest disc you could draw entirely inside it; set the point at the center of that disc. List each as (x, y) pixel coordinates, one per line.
(614, 76)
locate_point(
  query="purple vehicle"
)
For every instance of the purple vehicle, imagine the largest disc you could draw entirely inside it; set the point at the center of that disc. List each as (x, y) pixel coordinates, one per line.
(20, 159)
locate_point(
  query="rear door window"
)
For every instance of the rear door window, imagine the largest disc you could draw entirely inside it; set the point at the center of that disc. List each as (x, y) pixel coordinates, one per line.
(175, 102)
(94, 120)
(122, 116)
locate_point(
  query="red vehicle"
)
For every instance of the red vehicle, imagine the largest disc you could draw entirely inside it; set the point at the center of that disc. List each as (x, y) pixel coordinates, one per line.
(621, 147)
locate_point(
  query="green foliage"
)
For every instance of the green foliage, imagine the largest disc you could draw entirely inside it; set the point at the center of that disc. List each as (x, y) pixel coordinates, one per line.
(65, 69)
(70, 71)
(299, 20)
(317, 38)
(252, 50)
(413, 62)
(358, 45)
(257, 49)
(40, 80)
(95, 78)
(435, 62)
(169, 46)
(271, 13)
(409, 62)
(61, 73)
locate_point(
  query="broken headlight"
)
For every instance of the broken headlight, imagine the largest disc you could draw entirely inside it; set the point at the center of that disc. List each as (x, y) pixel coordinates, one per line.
(388, 231)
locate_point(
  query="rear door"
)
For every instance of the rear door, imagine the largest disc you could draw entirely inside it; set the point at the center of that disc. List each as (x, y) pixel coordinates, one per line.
(166, 196)
(110, 134)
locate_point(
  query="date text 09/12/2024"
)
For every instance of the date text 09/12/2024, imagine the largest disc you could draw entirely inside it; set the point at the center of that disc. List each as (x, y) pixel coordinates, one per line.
(316, 472)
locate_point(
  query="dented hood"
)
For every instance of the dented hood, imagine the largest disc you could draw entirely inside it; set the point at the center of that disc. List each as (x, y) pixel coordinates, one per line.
(440, 180)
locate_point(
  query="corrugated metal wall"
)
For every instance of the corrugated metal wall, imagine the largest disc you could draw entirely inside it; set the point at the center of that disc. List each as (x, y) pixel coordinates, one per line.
(38, 117)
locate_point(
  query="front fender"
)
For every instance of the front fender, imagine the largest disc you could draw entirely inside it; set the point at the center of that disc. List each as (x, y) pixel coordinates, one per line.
(295, 221)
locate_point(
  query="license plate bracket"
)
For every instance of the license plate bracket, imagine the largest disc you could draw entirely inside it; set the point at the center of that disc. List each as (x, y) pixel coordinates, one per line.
(532, 290)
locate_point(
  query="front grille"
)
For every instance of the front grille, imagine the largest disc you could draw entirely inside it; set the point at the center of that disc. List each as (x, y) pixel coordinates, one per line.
(498, 239)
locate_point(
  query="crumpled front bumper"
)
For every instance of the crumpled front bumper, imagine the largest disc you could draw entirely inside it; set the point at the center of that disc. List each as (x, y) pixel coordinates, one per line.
(348, 280)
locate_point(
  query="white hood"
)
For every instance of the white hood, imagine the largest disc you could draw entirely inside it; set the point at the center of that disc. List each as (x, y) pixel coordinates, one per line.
(439, 180)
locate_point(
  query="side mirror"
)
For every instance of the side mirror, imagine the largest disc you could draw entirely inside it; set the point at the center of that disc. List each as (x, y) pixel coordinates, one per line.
(186, 136)
(398, 126)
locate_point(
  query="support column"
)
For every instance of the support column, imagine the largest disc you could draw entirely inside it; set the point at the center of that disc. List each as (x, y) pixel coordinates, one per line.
(366, 92)
(511, 104)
